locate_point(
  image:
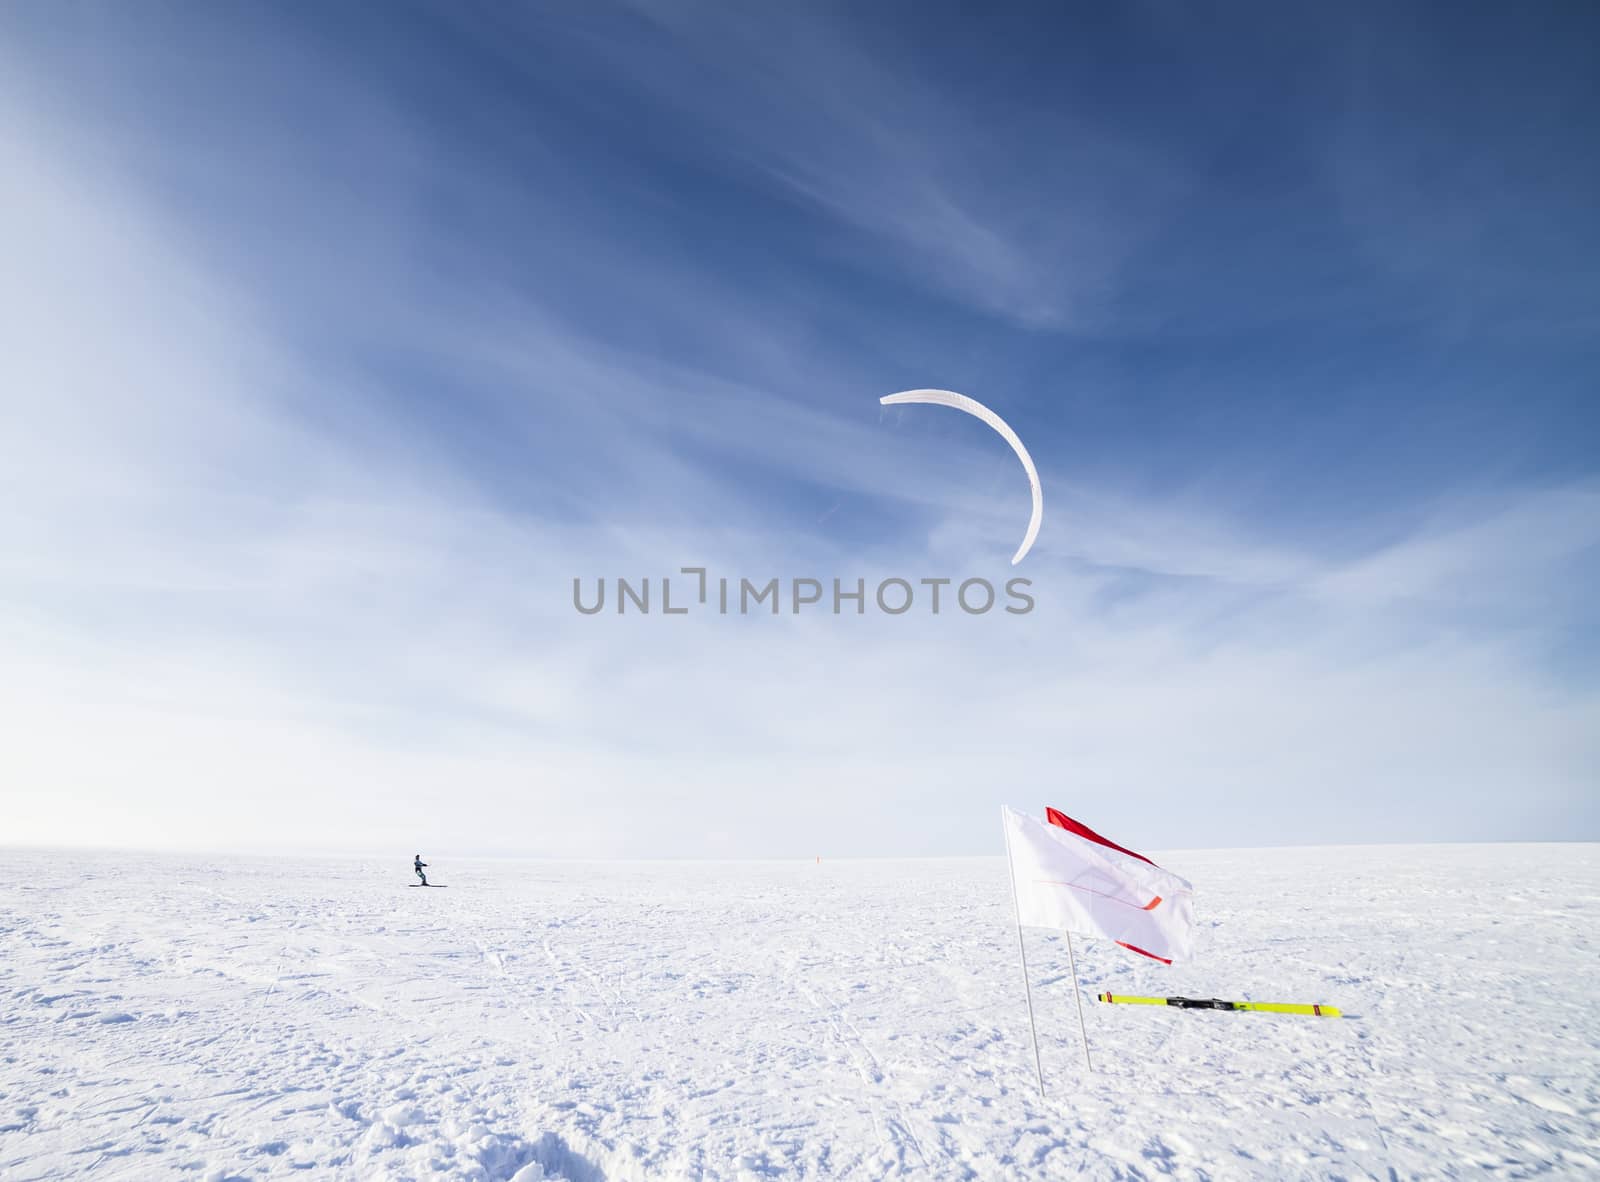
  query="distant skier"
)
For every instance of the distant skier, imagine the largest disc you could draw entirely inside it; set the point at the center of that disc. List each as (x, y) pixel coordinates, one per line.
(417, 866)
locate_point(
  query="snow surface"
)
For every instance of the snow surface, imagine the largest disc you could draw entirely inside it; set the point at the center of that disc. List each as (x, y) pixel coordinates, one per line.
(165, 1016)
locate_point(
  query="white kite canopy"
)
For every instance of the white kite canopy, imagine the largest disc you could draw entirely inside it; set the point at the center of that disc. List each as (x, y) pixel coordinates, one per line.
(978, 410)
(1066, 876)
(1070, 878)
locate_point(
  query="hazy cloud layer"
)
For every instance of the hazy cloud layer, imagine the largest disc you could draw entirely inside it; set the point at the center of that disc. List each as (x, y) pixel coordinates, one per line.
(307, 428)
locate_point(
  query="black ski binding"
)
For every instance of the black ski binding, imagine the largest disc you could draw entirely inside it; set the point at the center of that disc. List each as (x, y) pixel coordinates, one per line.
(1199, 1003)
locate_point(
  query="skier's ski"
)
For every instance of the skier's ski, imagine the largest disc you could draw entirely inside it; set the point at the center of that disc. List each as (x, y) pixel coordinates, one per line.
(436, 885)
(1211, 1003)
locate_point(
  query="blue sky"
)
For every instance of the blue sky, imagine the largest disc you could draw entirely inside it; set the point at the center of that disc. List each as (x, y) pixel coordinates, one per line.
(337, 341)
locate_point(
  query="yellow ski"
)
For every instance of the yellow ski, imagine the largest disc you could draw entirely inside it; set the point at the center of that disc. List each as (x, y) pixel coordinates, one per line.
(1211, 1003)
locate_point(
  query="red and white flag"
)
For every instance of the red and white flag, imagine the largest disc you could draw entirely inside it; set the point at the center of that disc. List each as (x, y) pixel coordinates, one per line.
(1067, 876)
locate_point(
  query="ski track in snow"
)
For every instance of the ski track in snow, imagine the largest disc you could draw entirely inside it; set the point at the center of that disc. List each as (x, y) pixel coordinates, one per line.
(264, 1018)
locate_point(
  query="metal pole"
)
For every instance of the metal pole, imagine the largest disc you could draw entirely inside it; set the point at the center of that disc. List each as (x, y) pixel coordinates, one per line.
(1022, 953)
(1077, 995)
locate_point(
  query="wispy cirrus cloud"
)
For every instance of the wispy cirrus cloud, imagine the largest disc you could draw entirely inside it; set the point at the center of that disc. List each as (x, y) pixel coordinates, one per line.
(807, 105)
(295, 490)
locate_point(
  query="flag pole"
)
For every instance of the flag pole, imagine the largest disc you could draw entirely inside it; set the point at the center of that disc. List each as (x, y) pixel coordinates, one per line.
(1022, 953)
(1077, 996)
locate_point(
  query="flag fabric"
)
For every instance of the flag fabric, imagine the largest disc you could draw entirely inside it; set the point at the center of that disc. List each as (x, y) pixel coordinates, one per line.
(1067, 876)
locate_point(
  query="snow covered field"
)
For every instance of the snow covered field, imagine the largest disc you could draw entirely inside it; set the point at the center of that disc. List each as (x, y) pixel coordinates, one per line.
(164, 1016)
